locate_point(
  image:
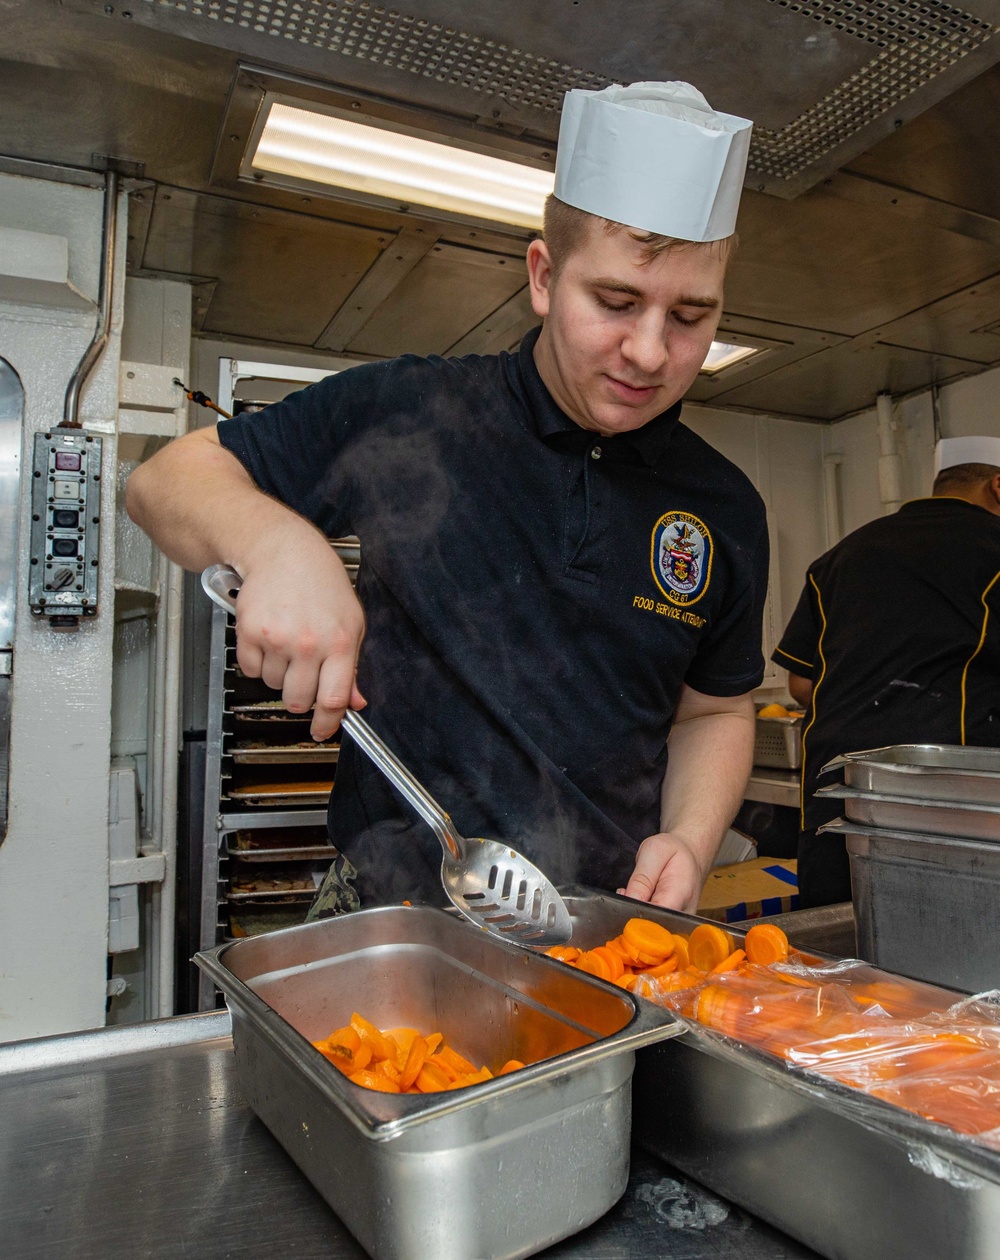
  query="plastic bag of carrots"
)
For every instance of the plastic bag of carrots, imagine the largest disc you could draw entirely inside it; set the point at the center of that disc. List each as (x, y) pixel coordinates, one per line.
(894, 1038)
(401, 1060)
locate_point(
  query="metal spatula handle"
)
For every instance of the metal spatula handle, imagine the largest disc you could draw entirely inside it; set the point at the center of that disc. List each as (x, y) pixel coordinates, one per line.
(222, 584)
(398, 775)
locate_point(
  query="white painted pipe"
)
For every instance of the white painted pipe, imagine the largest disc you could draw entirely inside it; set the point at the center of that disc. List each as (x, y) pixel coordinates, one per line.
(154, 779)
(890, 466)
(831, 498)
(168, 817)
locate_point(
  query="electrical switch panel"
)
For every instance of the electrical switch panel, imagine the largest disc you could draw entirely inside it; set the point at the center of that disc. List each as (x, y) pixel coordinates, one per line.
(65, 526)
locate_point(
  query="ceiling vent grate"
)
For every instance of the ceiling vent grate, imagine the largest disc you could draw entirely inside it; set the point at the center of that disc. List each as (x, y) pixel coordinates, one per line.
(372, 32)
(916, 41)
(913, 41)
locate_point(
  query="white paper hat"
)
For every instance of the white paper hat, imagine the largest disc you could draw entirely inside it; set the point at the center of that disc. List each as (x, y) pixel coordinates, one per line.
(654, 156)
(949, 452)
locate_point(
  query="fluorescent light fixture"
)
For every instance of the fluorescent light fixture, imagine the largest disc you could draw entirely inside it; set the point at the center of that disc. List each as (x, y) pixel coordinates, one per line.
(307, 145)
(723, 354)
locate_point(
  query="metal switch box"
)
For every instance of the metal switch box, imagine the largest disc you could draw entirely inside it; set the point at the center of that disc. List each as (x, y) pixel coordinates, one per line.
(65, 526)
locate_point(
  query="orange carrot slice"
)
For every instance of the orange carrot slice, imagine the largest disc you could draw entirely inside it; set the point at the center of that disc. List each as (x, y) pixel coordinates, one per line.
(381, 1048)
(731, 963)
(431, 1080)
(616, 966)
(648, 938)
(415, 1058)
(594, 965)
(708, 945)
(766, 944)
(375, 1080)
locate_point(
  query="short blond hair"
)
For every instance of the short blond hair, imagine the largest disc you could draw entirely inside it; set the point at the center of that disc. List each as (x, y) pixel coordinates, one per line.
(564, 227)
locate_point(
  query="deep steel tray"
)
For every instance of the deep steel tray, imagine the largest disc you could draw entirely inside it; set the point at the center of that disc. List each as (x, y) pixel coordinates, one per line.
(497, 1170)
(903, 813)
(925, 905)
(847, 1174)
(935, 772)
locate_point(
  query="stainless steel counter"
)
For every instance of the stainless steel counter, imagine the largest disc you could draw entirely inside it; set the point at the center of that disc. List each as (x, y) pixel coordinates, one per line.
(773, 787)
(135, 1142)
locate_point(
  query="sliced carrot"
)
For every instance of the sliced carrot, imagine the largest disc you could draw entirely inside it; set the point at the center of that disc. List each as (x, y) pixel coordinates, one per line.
(565, 953)
(664, 969)
(404, 1039)
(388, 1069)
(731, 963)
(415, 1059)
(446, 1057)
(431, 1080)
(681, 952)
(766, 944)
(375, 1080)
(618, 946)
(648, 938)
(594, 965)
(433, 1041)
(614, 960)
(627, 981)
(381, 1049)
(512, 1065)
(708, 945)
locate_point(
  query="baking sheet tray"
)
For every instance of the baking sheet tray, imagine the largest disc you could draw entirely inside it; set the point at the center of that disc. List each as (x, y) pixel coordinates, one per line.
(936, 772)
(282, 794)
(285, 754)
(841, 1171)
(268, 708)
(304, 853)
(903, 813)
(283, 896)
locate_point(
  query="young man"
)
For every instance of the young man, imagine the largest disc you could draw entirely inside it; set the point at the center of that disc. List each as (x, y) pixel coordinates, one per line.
(557, 575)
(892, 641)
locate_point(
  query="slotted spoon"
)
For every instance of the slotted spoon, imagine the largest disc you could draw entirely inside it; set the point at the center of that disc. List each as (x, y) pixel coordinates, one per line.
(490, 883)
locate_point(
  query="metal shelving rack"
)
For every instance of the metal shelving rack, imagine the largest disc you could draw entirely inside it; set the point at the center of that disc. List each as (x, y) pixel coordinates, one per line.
(225, 819)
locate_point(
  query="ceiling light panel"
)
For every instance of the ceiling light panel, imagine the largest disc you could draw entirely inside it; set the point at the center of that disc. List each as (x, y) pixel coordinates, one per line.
(724, 354)
(319, 148)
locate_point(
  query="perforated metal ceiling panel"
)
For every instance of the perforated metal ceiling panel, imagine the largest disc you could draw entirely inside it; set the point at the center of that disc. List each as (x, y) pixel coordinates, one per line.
(821, 78)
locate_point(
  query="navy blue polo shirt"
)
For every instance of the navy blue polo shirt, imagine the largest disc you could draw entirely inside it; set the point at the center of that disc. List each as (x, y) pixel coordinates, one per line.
(894, 628)
(535, 596)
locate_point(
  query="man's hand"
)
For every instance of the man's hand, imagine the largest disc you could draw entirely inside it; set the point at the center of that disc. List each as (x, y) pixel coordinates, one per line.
(667, 873)
(710, 749)
(299, 628)
(299, 625)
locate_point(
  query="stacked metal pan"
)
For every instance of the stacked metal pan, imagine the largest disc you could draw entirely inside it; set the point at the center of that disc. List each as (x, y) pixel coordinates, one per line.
(922, 825)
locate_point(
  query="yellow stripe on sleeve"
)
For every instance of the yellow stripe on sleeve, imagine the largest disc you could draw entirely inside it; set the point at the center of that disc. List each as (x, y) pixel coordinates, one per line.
(819, 683)
(979, 646)
(788, 656)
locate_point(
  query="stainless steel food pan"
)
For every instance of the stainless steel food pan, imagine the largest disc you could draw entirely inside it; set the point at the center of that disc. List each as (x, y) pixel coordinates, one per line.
(926, 906)
(903, 813)
(847, 1174)
(936, 772)
(491, 1172)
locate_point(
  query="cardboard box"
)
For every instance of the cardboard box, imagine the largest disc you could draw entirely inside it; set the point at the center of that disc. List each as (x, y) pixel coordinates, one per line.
(750, 890)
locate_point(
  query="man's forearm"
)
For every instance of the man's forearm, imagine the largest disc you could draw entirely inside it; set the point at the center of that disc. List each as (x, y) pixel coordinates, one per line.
(200, 506)
(710, 758)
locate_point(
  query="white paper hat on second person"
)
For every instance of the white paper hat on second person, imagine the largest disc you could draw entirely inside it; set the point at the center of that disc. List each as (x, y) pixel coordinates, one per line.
(655, 157)
(950, 452)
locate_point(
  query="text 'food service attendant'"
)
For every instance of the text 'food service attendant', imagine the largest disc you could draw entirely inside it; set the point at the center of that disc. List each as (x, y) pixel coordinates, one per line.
(561, 583)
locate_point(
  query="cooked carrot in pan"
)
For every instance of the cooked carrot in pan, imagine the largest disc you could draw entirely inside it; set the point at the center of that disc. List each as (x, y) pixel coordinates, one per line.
(401, 1061)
